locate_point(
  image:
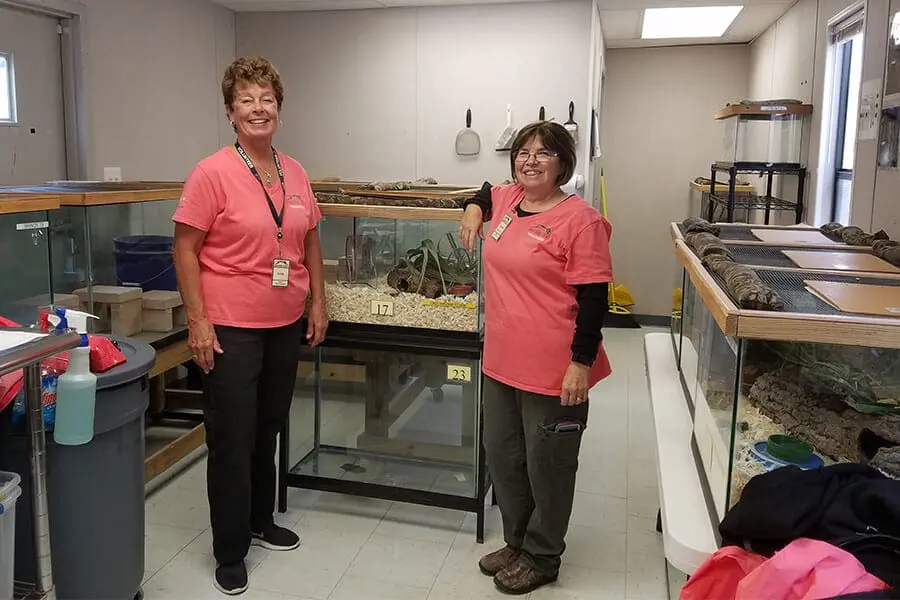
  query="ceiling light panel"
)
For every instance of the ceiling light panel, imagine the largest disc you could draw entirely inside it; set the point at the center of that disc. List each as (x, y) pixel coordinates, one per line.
(688, 22)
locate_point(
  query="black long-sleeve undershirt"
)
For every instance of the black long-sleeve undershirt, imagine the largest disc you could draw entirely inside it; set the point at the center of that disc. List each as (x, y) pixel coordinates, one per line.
(592, 298)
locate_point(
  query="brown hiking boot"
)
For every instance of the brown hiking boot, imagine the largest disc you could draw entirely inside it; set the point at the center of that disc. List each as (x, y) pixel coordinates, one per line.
(520, 577)
(493, 563)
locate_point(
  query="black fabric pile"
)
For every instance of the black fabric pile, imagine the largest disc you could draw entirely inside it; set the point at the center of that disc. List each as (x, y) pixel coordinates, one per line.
(848, 505)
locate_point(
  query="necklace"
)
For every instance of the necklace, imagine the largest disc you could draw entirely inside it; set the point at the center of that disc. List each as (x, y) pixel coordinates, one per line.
(545, 204)
(267, 175)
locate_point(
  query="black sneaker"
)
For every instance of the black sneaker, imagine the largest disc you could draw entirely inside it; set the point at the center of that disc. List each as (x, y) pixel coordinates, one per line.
(231, 579)
(275, 538)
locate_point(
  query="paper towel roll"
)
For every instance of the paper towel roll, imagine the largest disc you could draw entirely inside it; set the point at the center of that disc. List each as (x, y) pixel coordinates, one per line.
(575, 185)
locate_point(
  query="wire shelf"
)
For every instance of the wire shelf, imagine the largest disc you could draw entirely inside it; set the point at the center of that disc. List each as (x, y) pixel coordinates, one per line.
(755, 202)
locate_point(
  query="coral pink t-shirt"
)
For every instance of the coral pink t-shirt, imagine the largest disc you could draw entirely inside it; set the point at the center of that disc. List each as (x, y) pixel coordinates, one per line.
(529, 302)
(223, 198)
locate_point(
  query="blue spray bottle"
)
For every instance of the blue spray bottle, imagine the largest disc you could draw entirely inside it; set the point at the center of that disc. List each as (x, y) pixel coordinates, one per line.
(76, 389)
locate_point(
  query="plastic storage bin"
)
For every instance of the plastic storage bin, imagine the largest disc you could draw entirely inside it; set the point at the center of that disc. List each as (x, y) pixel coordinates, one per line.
(9, 493)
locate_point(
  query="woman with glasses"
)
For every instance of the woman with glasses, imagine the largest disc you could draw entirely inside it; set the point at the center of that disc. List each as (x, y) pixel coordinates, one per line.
(546, 272)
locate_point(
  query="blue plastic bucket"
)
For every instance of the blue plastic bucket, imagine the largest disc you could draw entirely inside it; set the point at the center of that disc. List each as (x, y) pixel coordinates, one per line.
(145, 261)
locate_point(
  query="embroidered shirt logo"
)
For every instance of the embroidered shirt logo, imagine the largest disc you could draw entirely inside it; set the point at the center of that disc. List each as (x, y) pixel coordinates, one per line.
(540, 233)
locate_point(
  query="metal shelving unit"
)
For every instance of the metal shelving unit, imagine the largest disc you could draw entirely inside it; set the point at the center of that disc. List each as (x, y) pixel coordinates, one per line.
(768, 202)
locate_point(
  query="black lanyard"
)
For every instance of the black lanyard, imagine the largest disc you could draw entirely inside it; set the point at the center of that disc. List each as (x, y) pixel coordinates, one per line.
(278, 217)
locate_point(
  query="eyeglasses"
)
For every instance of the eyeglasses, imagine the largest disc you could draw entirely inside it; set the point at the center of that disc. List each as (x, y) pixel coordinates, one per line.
(540, 156)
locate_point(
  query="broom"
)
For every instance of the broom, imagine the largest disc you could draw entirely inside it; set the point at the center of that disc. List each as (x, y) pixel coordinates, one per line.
(619, 315)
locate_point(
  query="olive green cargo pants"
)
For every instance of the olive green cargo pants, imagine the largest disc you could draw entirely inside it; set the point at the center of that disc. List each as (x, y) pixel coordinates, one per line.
(533, 468)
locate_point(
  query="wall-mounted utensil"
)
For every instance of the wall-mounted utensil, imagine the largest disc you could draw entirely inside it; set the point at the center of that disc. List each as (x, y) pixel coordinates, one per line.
(541, 114)
(468, 143)
(570, 125)
(504, 142)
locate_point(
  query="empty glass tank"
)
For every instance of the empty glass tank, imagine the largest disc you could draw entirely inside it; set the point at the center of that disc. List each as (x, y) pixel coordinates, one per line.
(111, 244)
(400, 266)
(405, 420)
(762, 133)
(760, 404)
(25, 282)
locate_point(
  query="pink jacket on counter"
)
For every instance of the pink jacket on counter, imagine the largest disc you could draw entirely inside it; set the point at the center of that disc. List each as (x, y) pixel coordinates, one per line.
(805, 569)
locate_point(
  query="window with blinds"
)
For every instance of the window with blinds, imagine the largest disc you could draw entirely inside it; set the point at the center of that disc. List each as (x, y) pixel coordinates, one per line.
(848, 27)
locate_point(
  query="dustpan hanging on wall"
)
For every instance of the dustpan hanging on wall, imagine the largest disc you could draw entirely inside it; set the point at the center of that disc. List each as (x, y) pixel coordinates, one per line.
(468, 143)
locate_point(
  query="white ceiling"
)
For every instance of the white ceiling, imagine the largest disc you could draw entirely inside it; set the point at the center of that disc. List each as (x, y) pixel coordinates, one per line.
(621, 19)
(292, 5)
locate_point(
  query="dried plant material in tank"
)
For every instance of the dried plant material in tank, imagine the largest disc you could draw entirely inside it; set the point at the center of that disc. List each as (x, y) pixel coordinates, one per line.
(869, 384)
(426, 271)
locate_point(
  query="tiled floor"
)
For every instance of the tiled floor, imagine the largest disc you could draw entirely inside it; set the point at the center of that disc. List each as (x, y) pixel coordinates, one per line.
(360, 549)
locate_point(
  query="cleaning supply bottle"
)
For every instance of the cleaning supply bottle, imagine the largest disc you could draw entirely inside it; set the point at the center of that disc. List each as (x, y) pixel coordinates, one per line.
(76, 389)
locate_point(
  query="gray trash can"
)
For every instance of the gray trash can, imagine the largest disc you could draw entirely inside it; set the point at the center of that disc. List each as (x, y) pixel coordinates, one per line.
(95, 492)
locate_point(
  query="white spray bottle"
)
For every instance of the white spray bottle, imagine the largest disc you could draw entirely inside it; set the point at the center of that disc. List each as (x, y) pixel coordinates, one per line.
(76, 389)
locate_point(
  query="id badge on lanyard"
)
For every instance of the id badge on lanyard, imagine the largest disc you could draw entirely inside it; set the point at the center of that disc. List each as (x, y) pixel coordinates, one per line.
(281, 267)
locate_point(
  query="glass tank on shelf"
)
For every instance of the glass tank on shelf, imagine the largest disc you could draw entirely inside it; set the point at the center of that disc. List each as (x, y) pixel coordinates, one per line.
(763, 404)
(402, 425)
(111, 254)
(407, 268)
(25, 245)
(763, 133)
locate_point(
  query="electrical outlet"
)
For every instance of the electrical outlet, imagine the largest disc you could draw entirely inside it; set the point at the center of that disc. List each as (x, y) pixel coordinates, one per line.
(112, 173)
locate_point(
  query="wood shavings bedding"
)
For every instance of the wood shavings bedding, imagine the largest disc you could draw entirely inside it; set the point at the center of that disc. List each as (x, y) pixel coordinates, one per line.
(354, 304)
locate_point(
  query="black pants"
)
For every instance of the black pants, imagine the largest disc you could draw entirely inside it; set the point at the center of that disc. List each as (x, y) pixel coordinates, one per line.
(532, 468)
(247, 398)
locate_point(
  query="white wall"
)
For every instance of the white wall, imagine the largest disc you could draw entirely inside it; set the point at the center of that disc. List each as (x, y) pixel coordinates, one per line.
(152, 73)
(33, 151)
(597, 69)
(381, 94)
(794, 54)
(659, 134)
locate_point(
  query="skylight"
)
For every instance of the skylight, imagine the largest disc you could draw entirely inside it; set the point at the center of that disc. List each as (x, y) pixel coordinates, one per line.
(690, 22)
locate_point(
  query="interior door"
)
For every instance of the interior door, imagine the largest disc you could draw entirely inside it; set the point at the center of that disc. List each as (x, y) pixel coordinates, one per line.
(33, 148)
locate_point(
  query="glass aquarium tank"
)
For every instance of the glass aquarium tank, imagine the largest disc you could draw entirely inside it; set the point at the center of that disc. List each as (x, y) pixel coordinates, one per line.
(111, 254)
(375, 418)
(400, 266)
(25, 245)
(816, 383)
(762, 133)
(389, 405)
